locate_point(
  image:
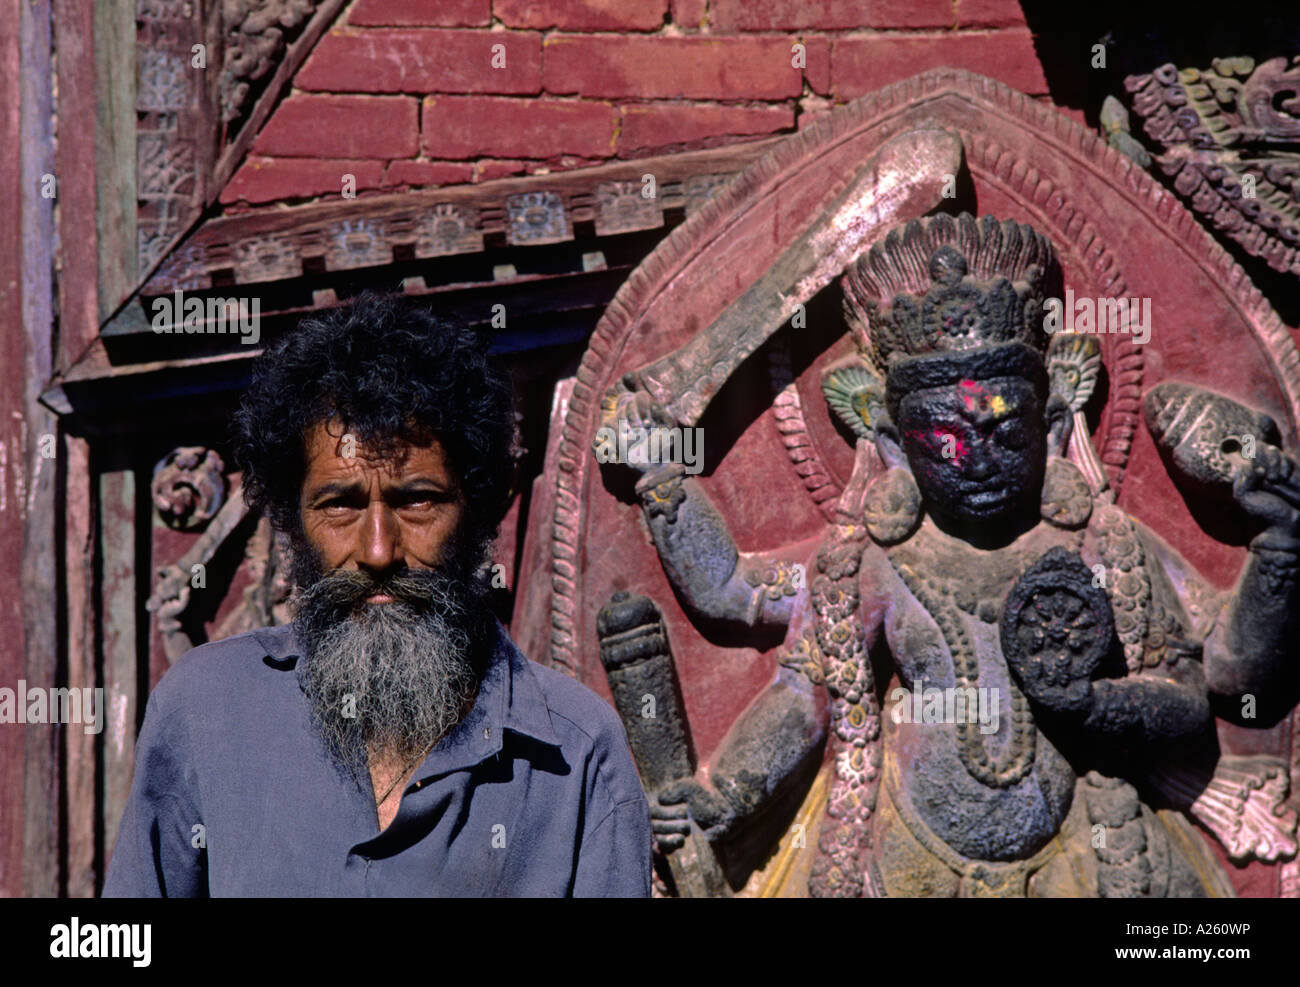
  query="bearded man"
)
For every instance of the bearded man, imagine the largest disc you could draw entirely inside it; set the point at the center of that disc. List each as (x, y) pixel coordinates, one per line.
(392, 740)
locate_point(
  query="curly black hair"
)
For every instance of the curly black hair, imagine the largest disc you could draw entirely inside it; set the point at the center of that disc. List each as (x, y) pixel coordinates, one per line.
(393, 373)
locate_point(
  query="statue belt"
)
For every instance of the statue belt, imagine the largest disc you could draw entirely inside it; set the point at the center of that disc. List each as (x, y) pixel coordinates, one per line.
(978, 878)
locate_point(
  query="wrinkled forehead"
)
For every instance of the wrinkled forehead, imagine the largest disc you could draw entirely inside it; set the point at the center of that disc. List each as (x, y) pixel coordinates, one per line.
(332, 449)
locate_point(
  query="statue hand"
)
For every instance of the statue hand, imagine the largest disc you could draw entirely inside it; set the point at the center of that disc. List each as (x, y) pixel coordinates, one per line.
(674, 806)
(626, 414)
(1268, 487)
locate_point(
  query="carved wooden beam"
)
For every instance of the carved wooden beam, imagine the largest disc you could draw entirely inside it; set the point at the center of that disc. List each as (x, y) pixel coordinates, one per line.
(459, 243)
(345, 234)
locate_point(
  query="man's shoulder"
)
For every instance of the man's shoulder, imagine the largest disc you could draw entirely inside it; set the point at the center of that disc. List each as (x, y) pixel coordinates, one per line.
(219, 668)
(571, 704)
(587, 725)
(576, 704)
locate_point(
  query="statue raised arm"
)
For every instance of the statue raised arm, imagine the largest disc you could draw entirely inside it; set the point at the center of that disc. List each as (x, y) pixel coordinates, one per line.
(1053, 657)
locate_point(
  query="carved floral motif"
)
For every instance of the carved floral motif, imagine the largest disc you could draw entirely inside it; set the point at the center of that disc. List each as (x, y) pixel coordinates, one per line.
(257, 32)
(1226, 136)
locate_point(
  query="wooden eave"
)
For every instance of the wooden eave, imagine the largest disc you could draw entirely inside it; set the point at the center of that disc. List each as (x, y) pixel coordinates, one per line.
(553, 248)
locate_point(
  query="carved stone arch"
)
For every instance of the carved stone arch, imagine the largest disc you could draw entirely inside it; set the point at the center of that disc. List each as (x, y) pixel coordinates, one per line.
(1116, 231)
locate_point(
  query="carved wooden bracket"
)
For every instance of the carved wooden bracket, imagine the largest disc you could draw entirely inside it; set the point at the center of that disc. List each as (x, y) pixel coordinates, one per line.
(1226, 135)
(266, 599)
(207, 74)
(188, 487)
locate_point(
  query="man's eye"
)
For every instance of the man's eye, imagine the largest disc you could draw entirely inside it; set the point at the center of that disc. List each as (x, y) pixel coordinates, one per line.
(418, 501)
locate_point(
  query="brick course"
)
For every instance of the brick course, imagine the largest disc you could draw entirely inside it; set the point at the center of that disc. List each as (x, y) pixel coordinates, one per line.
(428, 173)
(665, 125)
(390, 60)
(694, 67)
(827, 15)
(689, 14)
(861, 64)
(259, 180)
(421, 13)
(493, 126)
(316, 126)
(583, 15)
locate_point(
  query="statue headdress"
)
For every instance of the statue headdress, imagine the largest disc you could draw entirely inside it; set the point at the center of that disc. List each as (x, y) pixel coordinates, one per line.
(941, 299)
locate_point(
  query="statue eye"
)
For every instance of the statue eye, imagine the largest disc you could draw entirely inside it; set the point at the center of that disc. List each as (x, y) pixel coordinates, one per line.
(1011, 434)
(947, 441)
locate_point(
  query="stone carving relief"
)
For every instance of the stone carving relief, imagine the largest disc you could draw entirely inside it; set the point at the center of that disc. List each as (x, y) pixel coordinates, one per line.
(959, 607)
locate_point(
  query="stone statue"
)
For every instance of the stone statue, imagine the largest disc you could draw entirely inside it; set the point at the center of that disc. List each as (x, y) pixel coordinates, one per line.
(1059, 666)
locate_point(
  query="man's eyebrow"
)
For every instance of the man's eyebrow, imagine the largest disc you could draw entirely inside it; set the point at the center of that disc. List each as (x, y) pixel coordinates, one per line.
(335, 488)
(421, 484)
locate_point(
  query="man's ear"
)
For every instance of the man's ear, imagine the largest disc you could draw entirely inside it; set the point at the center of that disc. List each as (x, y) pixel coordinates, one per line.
(1060, 424)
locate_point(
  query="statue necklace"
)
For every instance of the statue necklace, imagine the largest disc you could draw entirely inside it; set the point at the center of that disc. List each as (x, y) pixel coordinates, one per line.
(978, 589)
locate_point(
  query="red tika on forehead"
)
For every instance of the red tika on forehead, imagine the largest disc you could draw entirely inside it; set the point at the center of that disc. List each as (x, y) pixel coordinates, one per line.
(978, 398)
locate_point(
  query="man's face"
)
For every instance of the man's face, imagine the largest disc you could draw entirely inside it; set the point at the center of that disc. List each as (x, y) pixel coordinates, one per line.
(392, 617)
(976, 448)
(363, 513)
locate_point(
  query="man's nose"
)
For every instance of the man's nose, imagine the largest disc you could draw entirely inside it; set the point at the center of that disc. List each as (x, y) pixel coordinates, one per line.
(381, 547)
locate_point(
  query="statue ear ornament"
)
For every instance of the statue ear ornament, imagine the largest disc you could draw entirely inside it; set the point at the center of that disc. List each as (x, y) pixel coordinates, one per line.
(892, 507)
(1067, 498)
(856, 395)
(1073, 366)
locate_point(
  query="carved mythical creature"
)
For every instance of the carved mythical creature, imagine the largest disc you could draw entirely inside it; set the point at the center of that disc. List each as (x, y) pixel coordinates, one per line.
(975, 553)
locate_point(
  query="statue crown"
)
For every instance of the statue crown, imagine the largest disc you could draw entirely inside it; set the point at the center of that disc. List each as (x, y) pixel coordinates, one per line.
(947, 284)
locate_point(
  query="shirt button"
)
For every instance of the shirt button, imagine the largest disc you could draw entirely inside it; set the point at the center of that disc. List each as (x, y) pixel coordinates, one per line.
(487, 733)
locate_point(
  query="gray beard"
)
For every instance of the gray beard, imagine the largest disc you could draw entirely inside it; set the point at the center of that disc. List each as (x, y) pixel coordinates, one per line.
(393, 677)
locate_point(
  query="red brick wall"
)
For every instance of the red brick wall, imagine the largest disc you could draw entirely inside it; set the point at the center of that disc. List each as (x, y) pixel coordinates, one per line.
(405, 93)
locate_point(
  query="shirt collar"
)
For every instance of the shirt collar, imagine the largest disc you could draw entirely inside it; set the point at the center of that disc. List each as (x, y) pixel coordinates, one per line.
(509, 698)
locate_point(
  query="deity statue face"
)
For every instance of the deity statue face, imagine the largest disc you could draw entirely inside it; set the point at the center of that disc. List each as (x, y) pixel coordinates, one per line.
(977, 448)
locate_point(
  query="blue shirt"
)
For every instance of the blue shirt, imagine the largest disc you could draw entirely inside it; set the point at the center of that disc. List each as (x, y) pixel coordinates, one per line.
(533, 793)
